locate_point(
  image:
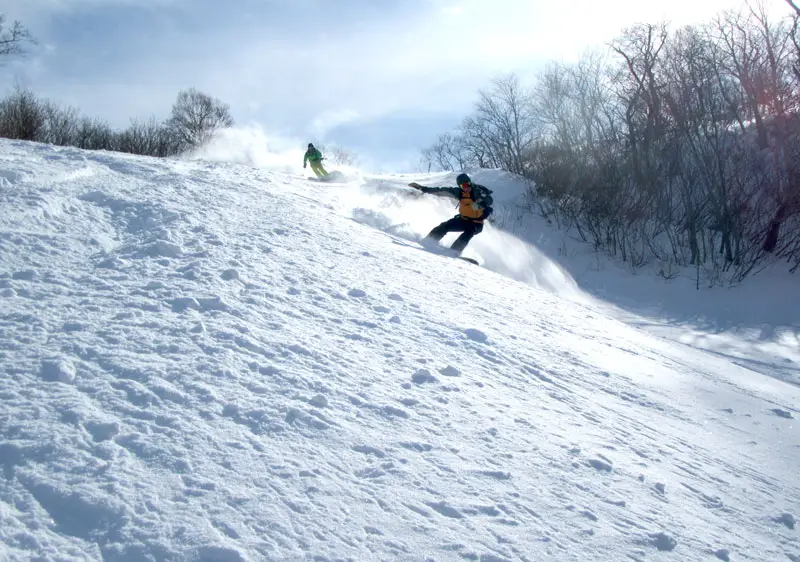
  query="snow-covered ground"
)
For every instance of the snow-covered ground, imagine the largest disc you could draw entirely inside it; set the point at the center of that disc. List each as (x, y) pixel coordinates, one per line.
(210, 361)
(755, 324)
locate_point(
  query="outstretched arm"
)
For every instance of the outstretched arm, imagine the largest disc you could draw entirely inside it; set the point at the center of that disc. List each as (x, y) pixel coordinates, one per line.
(448, 191)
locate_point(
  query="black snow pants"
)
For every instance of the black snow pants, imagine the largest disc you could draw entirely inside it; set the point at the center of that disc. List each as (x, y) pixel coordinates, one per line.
(467, 227)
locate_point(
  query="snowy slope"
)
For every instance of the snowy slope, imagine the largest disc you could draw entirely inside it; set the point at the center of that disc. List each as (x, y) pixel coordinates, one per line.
(205, 361)
(756, 323)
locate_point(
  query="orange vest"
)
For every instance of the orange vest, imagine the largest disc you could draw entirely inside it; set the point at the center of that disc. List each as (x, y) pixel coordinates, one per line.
(465, 206)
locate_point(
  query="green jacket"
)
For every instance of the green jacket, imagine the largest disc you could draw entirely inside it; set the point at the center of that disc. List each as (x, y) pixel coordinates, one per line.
(312, 155)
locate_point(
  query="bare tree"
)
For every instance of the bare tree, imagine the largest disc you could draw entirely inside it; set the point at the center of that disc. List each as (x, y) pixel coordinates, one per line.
(744, 63)
(149, 138)
(778, 90)
(426, 160)
(196, 117)
(503, 124)
(61, 124)
(795, 38)
(22, 116)
(13, 38)
(94, 134)
(342, 156)
(641, 48)
(479, 143)
(551, 104)
(499, 134)
(450, 152)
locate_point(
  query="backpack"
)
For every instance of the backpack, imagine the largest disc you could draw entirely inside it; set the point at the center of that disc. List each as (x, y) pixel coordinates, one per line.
(482, 195)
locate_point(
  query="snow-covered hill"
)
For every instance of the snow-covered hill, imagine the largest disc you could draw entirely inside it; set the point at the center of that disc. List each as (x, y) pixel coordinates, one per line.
(208, 361)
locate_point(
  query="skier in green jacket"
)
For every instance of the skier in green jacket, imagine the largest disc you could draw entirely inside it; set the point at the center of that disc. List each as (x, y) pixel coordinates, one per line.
(314, 156)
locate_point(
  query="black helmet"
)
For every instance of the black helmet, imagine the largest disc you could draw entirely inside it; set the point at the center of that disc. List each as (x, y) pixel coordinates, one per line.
(462, 179)
(310, 145)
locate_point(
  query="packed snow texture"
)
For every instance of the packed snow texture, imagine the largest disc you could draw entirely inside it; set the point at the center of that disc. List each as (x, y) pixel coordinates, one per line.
(212, 361)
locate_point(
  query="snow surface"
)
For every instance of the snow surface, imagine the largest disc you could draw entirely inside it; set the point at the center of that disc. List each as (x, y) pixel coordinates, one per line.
(756, 323)
(215, 362)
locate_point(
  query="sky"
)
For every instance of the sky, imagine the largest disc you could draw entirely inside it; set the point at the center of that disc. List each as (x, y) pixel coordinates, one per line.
(379, 78)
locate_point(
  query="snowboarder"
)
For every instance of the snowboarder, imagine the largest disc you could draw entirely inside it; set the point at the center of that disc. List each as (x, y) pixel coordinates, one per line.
(315, 157)
(474, 206)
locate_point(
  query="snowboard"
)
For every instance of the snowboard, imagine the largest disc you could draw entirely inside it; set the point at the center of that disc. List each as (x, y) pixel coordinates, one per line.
(435, 248)
(332, 176)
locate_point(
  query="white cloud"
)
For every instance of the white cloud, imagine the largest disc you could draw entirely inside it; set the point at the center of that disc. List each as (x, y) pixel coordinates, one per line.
(332, 119)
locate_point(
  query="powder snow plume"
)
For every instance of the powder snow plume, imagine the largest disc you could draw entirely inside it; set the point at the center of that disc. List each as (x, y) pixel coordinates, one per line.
(387, 203)
(252, 146)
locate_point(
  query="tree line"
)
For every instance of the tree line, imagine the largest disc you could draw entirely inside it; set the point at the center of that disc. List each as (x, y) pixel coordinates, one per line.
(194, 118)
(680, 146)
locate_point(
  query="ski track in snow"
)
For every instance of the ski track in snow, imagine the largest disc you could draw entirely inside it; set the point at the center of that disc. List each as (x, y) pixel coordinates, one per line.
(206, 362)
